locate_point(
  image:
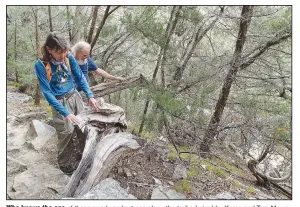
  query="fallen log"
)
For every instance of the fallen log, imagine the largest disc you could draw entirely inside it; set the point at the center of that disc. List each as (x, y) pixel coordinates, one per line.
(109, 150)
(103, 89)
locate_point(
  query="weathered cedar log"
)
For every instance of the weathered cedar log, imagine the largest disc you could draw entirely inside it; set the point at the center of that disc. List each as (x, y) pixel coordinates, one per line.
(108, 151)
(86, 160)
(105, 144)
(103, 89)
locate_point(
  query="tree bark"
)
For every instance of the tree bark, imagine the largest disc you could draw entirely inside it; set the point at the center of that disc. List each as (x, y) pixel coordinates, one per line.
(215, 119)
(115, 86)
(106, 14)
(76, 28)
(69, 24)
(171, 27)
(37, 99)
(92, 27)
(15, 54)
(50, 19)
(100, 27)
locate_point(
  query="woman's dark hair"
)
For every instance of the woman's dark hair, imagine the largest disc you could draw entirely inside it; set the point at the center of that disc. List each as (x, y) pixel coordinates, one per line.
(54, 42)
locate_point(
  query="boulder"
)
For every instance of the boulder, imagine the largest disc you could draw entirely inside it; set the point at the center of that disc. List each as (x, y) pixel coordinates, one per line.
(166, 193)
(42, 182)
(107, 189)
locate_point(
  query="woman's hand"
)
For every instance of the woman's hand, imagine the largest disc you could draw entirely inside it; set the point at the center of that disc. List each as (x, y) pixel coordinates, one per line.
(73, 119)
(94, 104)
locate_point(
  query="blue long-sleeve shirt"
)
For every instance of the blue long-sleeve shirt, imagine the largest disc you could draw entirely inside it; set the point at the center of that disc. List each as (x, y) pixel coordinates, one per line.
(90, 65)
(61, 83)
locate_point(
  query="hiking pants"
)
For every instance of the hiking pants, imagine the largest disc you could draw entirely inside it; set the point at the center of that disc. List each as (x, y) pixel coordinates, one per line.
(71, 140)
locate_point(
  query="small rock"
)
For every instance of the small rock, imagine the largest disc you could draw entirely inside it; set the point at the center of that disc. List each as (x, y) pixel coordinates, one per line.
(252, 198)
(127, 172)
(41, 130)
(223, 196)
(107, 189)
(171, 183)
(120, 170)
(157, 181)
(165, 193)
(180, 172)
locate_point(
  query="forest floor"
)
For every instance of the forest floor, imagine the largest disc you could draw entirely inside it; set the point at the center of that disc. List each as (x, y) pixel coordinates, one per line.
(223, 176)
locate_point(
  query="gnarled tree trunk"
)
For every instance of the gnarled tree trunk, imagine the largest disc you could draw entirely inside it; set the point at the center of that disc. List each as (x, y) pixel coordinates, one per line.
(105, 144)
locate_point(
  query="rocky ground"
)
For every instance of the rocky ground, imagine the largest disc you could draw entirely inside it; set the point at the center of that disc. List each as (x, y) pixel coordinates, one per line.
(153, 172)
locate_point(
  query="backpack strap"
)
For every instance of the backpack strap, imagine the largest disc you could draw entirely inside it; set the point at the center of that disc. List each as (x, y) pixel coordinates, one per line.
(48, 71)
(68, 63)
(47, 67)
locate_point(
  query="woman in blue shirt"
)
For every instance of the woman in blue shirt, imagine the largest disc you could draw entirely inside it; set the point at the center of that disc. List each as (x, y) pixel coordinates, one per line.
(60, 92)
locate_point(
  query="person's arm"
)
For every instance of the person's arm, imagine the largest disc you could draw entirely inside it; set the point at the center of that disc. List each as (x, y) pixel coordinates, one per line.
(105, 74)
(92, 66)
(78, 75)
(80, 79)
(45, 87)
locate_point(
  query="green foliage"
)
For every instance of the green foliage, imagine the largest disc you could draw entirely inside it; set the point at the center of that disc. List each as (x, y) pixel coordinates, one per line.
(193, 171)
(150, 121)
(214, 169)
(108, 31)
(146, 23)
(281, 107)
(172, 156)
(49, 110)
(173, 153)
(191, 13)
(229, 166)
(148, 135)
(134, 128)
(282, 132)
(283, 20)
(15, 84)
(205, 93)
(145, 134)
(251, 190)
(183, 186)
(184, 155)
(166, 100)
(237, 184)
(194, 160)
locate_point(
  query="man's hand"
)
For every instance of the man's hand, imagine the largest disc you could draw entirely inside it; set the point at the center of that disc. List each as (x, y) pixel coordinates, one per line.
(94, 104)
(73, 119)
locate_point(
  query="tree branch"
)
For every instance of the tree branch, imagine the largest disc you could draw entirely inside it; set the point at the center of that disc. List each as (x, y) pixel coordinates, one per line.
(264, 48)
(114, 9)
(100, 27)
(95, 13)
